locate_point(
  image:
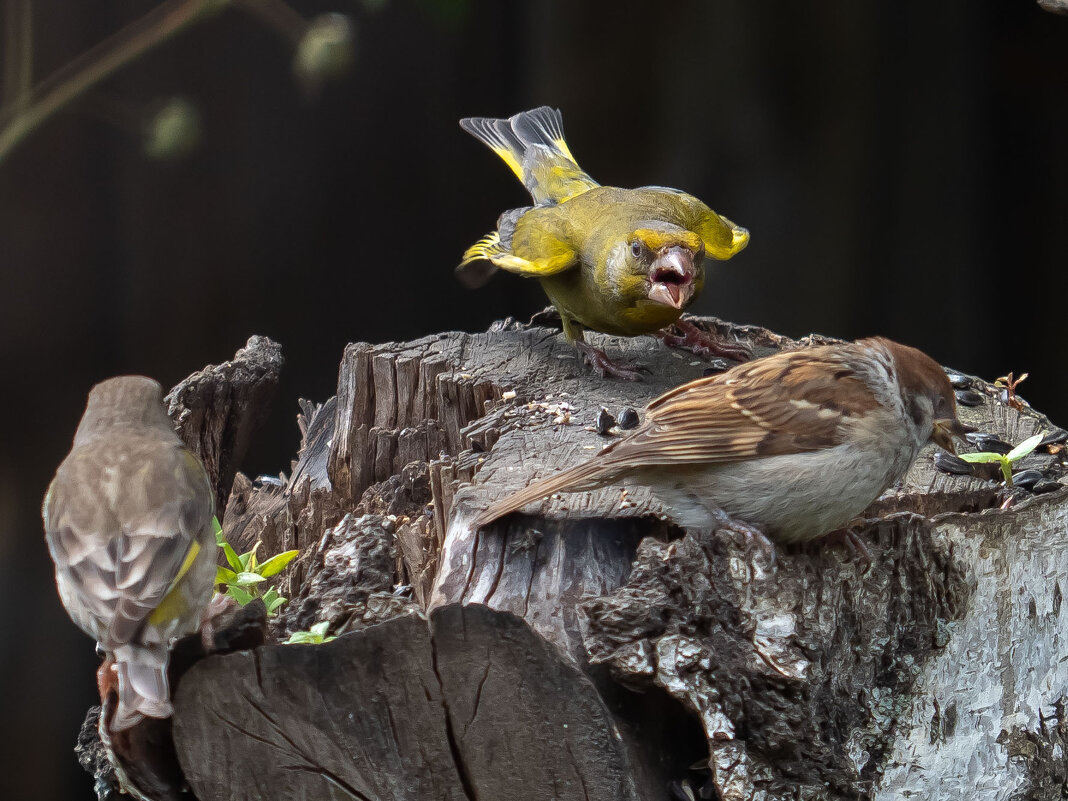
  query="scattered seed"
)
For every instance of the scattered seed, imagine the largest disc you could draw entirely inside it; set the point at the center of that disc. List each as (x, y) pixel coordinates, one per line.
(1027, 478)
(969, 397)
(268, 481)
(1054, 437)
(988, 442)
(954, 465)
(508, 394)
(958, 381)
(605, 421)
(1046, 485)
(628, 419)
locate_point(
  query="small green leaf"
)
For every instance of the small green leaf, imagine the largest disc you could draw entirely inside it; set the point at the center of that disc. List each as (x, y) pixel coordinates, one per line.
(232, 558)
(224, 575)
(277, 562)
(319, 629)
(1024, 448)
(247, 578)
(217, 529)
(982, 457)
(275, 604)
(241, 596)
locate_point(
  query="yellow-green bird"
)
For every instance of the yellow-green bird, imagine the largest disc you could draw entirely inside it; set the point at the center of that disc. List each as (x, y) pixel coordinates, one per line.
(620, 261)
(128, 523)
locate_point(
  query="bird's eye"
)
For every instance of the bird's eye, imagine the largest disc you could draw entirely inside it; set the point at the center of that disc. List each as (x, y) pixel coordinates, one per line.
(636, 248)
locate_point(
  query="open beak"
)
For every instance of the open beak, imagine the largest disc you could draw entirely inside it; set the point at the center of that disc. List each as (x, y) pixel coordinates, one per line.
(946, 430)
(671, 277)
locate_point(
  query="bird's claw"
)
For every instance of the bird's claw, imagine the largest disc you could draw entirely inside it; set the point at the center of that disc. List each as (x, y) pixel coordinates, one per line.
(850, 537)
(755, 539)
(599, 361)
(703, 343)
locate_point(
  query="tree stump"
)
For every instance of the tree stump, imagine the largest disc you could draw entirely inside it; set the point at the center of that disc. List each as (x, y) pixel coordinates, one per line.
(595, 650)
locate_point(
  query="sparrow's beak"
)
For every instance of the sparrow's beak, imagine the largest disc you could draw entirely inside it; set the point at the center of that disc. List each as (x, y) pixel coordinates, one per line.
(671, 277)
(946, 430)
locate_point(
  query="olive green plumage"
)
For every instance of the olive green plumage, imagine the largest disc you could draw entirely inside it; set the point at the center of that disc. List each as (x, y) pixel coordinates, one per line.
(128, 523)
(620, 261)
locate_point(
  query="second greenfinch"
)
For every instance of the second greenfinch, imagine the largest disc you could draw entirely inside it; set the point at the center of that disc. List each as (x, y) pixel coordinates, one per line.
(620, 261)
(128, 523)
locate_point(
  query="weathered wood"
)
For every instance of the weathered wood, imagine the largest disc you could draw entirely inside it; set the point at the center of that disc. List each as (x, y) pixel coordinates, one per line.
(939, 673)
(218, 409)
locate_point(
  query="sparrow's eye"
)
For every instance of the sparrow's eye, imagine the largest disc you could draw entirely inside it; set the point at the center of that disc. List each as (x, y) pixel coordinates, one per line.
(636, 248)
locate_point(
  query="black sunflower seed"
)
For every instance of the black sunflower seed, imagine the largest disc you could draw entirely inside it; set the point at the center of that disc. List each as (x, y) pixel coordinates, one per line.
(954, 465)
(958, 381)
(1054, 437)
(1027, 478)
(969, 397)
(605, 421)
(628, 419)
(1046, 485)
(988, 442)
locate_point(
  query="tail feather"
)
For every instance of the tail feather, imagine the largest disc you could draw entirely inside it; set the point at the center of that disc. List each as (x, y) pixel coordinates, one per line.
(532, 144)
(143, 687)
(585, 476)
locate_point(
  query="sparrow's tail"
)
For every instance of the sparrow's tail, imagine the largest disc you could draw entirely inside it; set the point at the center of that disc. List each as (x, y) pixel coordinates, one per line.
(143, 687)
(586, 476)
(532, 145)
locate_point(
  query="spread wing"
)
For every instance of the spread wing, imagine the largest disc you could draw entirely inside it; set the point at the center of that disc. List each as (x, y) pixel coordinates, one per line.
(120, 532)
(733, 416)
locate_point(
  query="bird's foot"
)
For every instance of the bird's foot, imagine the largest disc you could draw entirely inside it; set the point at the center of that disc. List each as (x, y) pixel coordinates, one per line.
(703, 343)
(850, 537)
(755, 539)
(107, 681)
(219, 606)
(599, 361)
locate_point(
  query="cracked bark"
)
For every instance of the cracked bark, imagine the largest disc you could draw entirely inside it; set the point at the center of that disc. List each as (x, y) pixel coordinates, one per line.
(596, 651)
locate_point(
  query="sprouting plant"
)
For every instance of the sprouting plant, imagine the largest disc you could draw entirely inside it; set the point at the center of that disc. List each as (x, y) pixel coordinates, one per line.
(244, 578)
(1005, 460)
(1009, 384)
(316, 635)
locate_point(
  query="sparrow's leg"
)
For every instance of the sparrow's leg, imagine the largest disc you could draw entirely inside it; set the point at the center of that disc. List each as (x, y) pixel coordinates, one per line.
(703, 343)
(755, 539)
(599, 361)
(850, 536)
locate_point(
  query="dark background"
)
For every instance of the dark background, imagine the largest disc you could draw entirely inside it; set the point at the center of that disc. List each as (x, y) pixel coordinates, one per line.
(902, 168)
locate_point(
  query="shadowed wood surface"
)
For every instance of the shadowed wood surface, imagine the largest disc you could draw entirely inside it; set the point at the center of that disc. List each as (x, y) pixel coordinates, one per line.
(591, 648)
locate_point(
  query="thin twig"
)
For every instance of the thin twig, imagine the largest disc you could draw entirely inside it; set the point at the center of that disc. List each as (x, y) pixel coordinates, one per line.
(96, 64)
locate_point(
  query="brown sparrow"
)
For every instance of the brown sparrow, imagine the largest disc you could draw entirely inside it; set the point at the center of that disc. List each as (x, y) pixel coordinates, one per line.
(796, 444)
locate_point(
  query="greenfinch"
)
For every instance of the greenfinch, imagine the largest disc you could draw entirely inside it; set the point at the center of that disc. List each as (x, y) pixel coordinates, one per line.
(127, 520)
(619, 261)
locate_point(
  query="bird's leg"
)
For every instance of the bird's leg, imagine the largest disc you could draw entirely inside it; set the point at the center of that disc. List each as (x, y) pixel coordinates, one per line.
(755, 539)
(597, 358)
(703, 343)
(599, 361)
(106, 680)
(850, 537)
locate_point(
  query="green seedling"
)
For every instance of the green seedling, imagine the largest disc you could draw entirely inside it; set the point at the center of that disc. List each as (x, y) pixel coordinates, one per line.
(246, 576)
(1005, 460)
(316, 635)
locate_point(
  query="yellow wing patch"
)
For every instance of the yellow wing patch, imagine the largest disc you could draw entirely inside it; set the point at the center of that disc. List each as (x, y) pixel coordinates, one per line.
(173, 604)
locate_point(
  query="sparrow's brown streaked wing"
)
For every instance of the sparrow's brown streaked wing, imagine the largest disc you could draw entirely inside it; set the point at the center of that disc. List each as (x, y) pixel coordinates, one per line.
(734, 416)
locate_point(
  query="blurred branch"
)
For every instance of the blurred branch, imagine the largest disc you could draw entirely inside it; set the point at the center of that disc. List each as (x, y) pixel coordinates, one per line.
(32, 107)
(25, 106)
